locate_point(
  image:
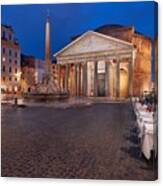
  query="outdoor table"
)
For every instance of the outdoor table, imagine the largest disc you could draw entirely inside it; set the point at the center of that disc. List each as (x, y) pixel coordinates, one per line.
(142, 118)
(139, 107)
(149, 140)
(147, 129)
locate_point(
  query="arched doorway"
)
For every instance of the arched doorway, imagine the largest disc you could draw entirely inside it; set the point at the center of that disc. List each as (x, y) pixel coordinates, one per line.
(123, 83)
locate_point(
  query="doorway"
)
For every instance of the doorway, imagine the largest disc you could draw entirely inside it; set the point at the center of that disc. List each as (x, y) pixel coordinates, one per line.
(101, 84)
(123, 83)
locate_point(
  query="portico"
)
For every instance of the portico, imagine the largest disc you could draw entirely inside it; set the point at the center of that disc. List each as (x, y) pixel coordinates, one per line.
(96, 65)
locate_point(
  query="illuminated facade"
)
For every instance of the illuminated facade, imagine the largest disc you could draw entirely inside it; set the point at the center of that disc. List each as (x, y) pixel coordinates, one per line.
(97, 65)
(28, 76)
(10, 61)
(100, 64)
(143, 57)
(39, 70)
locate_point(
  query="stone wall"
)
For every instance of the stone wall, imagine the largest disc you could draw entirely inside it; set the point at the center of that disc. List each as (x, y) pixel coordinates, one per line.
(142, 44)
(120, 32)
(142, 66)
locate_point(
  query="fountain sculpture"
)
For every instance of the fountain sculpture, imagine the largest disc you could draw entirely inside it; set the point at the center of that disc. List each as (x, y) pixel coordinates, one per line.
(48, 89)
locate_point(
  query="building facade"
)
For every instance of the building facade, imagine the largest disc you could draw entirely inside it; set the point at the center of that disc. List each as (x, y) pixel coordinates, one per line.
(10, 61)
(143, 47)
(28, 73)
(112, 61)
(39, 70)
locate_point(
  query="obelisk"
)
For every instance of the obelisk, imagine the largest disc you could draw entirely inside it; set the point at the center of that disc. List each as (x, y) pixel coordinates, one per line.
(48, 86)
(51, 85)
(47, 45)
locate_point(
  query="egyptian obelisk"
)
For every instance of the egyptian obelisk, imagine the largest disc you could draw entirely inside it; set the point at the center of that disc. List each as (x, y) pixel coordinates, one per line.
(47, 45)
(51, 85)
(48, 85)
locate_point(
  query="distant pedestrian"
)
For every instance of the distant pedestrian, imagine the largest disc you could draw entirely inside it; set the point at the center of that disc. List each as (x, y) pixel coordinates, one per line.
(16, 101)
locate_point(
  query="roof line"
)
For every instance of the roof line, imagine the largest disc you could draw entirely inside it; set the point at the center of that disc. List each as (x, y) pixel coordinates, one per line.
(99, 34)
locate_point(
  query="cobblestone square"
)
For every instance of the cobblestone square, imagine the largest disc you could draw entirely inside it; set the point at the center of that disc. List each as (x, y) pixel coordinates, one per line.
(92, 142)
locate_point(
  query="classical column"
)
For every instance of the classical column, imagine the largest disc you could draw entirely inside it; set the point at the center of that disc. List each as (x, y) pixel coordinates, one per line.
(81, 76)
(118, 79)
(59, 76)
(78, 79)
(66, 77)
(130, 77)
(107, 91)
(75, 78)
(95, 78)
(85, 79)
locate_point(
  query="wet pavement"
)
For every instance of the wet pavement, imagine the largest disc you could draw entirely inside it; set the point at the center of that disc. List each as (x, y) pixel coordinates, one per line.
(98, 141)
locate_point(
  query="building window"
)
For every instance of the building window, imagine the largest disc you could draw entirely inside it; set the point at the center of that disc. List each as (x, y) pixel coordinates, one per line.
(3, 59)
(10, 88)
(15, 70)
(3, 69)
(16, 54)
(16, 62)
(4, 50)
(10, 37)
(10, 52)
(4, 34)
(10, 60)
(10, 69)
(10, 79)
(16, 79)
(15, 88)
(4, 78)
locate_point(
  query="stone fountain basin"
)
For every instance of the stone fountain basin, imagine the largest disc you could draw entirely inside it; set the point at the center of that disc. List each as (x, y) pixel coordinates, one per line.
(35, 97)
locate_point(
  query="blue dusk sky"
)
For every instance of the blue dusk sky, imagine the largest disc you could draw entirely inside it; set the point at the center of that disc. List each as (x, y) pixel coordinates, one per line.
(68, 20)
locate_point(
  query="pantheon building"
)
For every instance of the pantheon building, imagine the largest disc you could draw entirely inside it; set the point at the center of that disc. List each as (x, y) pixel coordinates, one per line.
(112, 61)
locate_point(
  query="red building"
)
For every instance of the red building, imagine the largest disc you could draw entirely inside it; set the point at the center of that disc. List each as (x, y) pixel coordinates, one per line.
(28, 73)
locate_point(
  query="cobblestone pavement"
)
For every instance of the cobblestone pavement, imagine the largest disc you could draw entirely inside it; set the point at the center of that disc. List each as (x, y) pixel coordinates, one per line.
(94, 142)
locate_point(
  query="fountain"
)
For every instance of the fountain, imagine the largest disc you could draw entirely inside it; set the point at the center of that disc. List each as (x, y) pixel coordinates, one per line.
(49, 89)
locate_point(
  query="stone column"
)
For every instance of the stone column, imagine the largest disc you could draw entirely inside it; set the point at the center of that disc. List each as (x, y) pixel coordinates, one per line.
(83, 93)
(130, 77)
(78, 79)
(95, 78)
(59, 76)
(107, 90)
(117, 79)
(66, 77)
(81, 76)
(85, 79)
(75, 78)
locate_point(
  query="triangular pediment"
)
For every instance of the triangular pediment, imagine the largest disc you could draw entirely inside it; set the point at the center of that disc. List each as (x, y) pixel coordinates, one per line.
(93, 42)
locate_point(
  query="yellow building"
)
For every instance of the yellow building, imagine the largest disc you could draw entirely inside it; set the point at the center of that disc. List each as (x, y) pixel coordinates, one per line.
(10, 61)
